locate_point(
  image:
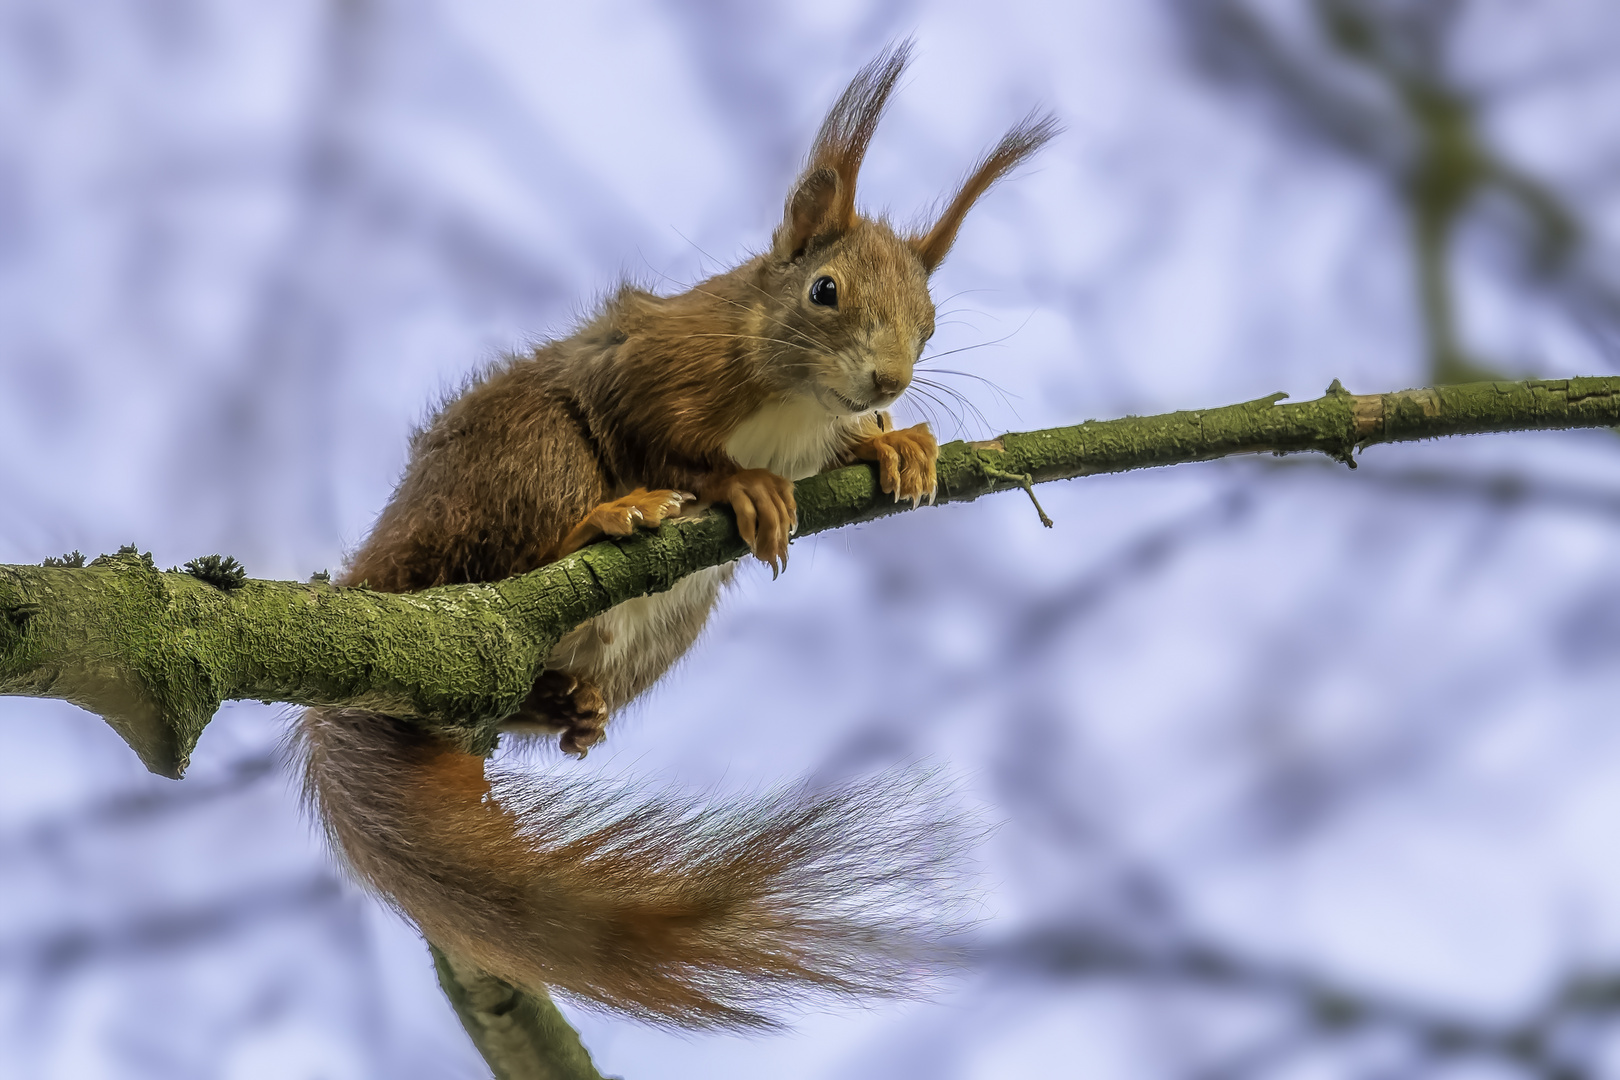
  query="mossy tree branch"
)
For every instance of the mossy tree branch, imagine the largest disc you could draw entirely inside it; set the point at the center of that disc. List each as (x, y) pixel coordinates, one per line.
(157, 653)
(520, 1033)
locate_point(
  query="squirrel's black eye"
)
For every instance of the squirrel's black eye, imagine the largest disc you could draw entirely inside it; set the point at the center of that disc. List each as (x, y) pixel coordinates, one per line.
(824, 291)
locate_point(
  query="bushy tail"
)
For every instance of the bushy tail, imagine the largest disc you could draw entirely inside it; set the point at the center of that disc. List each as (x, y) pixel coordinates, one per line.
(659, 907)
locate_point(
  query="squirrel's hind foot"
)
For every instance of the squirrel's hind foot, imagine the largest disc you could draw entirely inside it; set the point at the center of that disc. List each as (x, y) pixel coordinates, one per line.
(563, 703)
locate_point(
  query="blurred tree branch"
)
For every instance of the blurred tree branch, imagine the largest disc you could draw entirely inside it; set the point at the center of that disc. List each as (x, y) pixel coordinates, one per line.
(1388, 99)
(1549, 1040)
(157, 653)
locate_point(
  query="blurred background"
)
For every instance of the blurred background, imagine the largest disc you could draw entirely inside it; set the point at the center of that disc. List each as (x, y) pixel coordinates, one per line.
(1296, 771)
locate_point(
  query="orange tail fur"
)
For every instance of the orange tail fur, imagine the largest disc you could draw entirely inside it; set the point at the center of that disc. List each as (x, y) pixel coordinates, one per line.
(658, 907)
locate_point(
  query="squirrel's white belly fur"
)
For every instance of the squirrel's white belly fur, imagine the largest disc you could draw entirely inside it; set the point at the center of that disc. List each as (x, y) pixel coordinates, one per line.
(633, 643)
(636, 641)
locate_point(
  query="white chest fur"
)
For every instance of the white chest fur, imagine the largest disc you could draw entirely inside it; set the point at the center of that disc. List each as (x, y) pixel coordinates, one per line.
(793, 437)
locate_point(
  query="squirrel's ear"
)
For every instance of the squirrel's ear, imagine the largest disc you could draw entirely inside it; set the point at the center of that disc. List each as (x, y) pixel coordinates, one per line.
(809, 214)
(823, 202)
(1030, 134)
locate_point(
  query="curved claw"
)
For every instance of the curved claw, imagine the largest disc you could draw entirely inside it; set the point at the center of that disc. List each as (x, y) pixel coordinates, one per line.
(766, 512)
(906, 461)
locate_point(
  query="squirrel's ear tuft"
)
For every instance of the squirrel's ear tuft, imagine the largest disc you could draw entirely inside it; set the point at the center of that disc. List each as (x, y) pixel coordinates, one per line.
(810, 213)
(828, 185)
(1026, 137)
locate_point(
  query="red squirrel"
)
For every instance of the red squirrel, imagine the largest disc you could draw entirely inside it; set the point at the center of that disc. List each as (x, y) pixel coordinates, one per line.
(725, 394)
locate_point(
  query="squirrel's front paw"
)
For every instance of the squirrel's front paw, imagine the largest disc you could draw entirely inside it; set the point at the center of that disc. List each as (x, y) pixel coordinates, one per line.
(621, 517)
(766, 512)
(906, 460)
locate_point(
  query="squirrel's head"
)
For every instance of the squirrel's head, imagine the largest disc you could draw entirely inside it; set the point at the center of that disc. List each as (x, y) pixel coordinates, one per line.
(843, 304)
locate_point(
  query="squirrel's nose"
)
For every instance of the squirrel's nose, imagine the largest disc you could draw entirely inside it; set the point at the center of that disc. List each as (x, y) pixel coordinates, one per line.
(887, 384)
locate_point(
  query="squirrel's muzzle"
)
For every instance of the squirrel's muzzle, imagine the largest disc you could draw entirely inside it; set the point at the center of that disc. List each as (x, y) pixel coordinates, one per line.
(885, 384)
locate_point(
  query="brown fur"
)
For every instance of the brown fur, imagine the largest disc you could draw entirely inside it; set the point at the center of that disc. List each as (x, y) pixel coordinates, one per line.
(726, 392)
